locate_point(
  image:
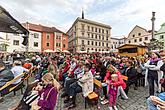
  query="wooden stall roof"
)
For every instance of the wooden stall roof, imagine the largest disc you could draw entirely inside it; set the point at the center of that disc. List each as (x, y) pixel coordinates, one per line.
(130, 46)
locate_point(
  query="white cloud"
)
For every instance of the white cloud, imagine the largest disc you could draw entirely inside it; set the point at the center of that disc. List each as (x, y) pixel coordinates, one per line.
(121, 15)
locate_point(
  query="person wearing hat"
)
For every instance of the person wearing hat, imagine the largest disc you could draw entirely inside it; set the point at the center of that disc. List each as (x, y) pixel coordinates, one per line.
(153, 72)
(18, 70)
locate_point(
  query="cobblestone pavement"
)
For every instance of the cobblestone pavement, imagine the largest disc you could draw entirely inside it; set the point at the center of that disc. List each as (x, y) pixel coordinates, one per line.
(136, 101)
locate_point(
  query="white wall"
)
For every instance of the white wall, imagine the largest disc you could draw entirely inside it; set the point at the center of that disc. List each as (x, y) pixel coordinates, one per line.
(32, 39)
(11, 37)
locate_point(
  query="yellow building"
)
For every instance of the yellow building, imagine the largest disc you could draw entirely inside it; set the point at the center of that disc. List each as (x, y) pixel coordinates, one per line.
(131, 50)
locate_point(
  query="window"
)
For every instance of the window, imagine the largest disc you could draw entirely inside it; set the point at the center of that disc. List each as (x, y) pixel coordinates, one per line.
(35, 44)
(107, 44)
(99, 37)
(82, 42)
(135, 40)
(102, 30)
(129, 41)
(103, 38)
(112, 47)
(82, 26)
(47, 44)
(99, 43)
(96, 43)
(88, 35)
(99, 30)
(102, 49)
(107, 31)
(140, 39)
(88, 42)
(64, 46)
(92, 28)
(88, 49)
(92, 42)
(103, 44)
(48, 36)
(82, 34)
(95, 29)
(139, 34)
(161, 36)
(92, 48)
(95, 36)
(92, 35)
(146, 38)
(88, 28)
(15, 42)
(107, 38)
(99, 50)
(133, 35)
(57, 44)
(36, 35)
(95, 50)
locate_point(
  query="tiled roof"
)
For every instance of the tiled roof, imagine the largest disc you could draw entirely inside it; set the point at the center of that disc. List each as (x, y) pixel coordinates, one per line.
(41, 28)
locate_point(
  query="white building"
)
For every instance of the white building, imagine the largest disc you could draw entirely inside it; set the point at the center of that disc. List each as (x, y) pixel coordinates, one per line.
(35, 41)
(15, 42)
(116, 42)
(139, 36)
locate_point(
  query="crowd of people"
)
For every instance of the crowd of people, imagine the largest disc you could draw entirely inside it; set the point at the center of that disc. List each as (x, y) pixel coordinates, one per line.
(72, 74)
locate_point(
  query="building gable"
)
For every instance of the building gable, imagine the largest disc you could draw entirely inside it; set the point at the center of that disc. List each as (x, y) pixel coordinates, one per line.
(137, 31)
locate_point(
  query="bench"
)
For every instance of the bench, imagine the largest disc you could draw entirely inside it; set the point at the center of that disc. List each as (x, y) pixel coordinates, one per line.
(93, 95)
(11, 82)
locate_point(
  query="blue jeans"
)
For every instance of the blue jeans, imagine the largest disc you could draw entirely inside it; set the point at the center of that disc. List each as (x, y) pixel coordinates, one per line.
(150, 104)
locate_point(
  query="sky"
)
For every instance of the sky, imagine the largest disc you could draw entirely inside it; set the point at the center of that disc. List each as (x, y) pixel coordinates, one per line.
(121, 15)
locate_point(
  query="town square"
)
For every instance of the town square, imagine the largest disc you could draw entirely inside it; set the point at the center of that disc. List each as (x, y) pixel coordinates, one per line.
(82, 55)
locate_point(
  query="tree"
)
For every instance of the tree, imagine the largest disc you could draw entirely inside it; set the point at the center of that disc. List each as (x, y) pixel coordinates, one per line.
(154, 45)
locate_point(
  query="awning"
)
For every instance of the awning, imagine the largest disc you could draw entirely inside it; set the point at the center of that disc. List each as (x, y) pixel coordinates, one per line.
(9, 25)
(48, 50)
(65, 51)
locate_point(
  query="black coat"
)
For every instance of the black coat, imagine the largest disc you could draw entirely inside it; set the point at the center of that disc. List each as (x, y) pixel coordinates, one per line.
(131, 73)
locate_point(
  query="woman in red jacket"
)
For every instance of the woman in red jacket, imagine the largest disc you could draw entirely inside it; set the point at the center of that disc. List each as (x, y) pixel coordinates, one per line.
(120, 82)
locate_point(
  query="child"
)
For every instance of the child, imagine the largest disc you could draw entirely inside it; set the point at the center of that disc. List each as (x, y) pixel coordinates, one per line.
(113, 91)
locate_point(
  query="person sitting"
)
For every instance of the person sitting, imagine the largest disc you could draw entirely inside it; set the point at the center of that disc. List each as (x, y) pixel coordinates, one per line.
(131, 73)
(5, 76)
(47, 93)
(84, 84)
(18, 70)
(154, 102)
(77, 73)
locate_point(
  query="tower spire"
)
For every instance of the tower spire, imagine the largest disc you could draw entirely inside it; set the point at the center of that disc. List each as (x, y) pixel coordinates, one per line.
(82, 13)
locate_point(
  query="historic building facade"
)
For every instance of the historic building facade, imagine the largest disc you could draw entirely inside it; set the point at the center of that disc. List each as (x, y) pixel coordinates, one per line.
(139, 36)
(51, 40)
(160, 35)
(89, 36)
(116, 42)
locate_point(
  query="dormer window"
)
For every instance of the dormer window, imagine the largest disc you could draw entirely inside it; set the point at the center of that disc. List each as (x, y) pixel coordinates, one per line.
(139, 34)
(133, 35)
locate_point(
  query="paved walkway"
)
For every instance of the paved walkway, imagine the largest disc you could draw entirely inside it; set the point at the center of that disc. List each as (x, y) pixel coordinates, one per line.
(136, 101)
